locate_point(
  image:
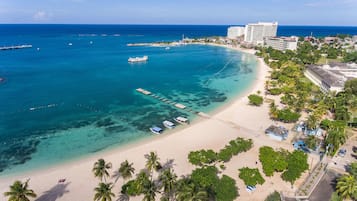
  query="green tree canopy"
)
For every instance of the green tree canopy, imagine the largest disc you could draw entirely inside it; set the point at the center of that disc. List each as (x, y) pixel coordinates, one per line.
(274, 196)
(226, 189)
(287, 116)
(351, 86)
(205, 176)
(350, 57)
(297, 164)
(347, 187)
(251, 177)
(255, 99)
(272, 160)
(20, 192)
(104, 192)
(202, 157)
(100, 169)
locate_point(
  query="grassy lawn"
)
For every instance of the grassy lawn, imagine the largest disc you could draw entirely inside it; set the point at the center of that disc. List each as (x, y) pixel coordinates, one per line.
(324, 60)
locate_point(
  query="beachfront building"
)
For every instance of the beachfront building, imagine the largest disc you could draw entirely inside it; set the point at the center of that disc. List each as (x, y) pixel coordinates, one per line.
(256, 32)
(330, 40)
(331, 77)
(282, 43)
(354, 38)
(235, 32)
(277, 132)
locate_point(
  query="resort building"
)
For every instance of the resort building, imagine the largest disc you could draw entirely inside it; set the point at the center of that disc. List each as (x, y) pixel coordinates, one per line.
(330, 40)
(235, 32)
(354, 38)
(277, 132)
(331, 77)
(282, 43)
(255, 33)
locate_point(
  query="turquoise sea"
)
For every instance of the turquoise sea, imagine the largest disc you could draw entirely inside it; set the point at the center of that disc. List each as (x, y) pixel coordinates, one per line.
(61, 101)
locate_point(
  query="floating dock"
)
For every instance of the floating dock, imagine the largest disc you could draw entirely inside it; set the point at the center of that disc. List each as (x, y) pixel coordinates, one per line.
(172, 103)
(14, 47)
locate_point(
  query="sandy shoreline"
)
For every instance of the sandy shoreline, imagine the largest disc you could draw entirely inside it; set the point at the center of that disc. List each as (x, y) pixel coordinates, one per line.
(231, 121)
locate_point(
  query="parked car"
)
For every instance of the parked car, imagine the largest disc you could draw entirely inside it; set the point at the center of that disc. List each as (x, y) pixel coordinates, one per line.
(342, 152)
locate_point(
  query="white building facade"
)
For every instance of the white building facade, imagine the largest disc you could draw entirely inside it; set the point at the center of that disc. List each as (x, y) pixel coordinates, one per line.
(255, 33)
(282, 43)
(235, 32)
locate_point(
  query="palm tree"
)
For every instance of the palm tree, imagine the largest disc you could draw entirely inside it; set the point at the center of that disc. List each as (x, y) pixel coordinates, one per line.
(141, 180)
(152, 162)
(19, 192)
(168, 180)
(126, 170)
(149, 190)
(104, 192)
(312, 122)
(101, 168)
(347, 187)
(335, 137)
(188, 191)
(273, 110)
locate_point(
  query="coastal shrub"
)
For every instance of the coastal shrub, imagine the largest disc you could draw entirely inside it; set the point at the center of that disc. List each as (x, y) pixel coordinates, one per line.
(226, 189)
(251, 177)
(234, 148)
(274, 196)
(275, 91)
(242, 144)
(202, 157)
(225, 155)
(255, 99)
(297, 164)
(287, 116)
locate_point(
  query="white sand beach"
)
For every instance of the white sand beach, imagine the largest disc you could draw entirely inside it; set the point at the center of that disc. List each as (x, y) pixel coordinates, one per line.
(236, 119)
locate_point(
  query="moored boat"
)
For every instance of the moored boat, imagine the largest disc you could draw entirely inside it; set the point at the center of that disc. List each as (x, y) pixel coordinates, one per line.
(156, 130)
(168, 124)
(181, 120)
(137, 59)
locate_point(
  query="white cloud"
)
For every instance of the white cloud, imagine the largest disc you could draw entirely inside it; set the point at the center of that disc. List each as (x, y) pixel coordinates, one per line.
(42, 16)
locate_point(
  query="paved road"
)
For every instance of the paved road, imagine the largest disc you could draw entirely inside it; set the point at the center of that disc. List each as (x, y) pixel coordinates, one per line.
(325, 188)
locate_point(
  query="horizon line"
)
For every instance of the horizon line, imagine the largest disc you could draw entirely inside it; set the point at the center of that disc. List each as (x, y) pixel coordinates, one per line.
(178, 24)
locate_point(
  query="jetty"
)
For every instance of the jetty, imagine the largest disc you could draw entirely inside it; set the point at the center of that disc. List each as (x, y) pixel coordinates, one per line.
(14, 47)
(172, 103)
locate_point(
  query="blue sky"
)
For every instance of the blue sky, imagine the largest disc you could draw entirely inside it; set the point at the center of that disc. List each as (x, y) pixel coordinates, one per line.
(288, 12)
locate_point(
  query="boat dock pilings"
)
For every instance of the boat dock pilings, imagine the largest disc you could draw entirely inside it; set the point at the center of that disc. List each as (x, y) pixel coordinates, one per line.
(172, 103)
(14, 47)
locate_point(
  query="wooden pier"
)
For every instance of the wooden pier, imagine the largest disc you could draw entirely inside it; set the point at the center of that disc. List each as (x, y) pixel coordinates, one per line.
(169, 102)
(14, 47)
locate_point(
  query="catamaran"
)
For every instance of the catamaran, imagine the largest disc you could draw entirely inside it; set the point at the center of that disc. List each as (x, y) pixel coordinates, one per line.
(168, 124)
(137, 59)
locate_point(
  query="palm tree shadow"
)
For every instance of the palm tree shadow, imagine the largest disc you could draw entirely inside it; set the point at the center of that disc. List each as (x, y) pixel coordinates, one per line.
(168, 164)
(54, 193)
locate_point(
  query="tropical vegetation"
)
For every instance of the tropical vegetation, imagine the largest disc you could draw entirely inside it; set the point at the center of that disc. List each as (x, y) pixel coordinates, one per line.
(251, 176)
(255, 99)
(19, 191)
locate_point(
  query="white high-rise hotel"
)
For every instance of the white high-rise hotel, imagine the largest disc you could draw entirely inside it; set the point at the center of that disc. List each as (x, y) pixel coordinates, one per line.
(255, 33)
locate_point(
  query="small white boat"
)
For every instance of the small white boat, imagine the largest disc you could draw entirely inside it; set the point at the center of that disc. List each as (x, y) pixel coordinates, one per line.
(181, 120)
(156, 130)
(168, 124)
(137, 59)
(70, 44)
(167, 48)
